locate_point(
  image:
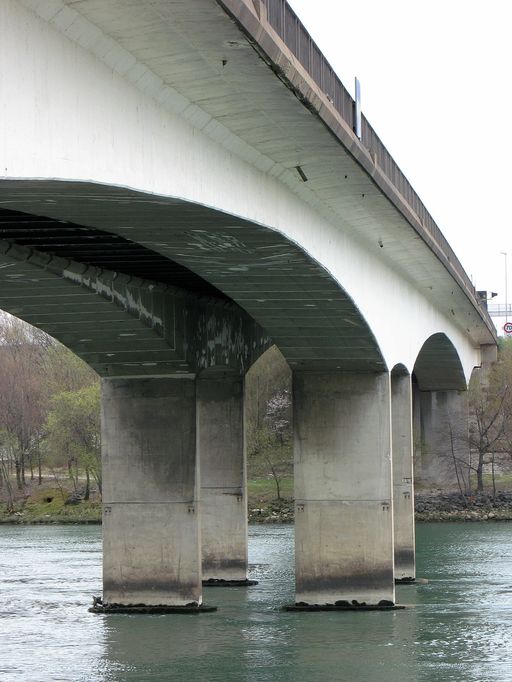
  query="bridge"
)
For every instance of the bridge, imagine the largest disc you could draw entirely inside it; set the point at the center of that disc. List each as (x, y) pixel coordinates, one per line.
(181, 187)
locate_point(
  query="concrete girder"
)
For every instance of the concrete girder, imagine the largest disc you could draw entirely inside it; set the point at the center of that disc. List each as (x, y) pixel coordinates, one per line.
(314, 322)
(122, 325)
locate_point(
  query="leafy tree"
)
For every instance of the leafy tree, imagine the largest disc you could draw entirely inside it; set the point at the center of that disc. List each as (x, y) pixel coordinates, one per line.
(65, 371)
(73, 427)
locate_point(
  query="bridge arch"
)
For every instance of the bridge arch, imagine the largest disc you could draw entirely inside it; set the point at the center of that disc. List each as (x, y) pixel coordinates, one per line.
(301, 307)
(399, 370)
(438, 366)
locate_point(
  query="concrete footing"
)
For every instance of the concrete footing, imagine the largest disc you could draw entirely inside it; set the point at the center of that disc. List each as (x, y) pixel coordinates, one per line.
(212, 582)
(157, 609)
(343, 491)
(343, 606)
(411, 581)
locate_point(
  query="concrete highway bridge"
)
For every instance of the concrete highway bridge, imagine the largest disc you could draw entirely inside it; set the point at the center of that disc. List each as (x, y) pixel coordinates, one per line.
(181, 187)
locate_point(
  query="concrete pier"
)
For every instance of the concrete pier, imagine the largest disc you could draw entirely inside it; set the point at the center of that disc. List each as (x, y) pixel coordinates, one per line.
(443, 452)
(221, 452)
(343, 489)
(151, 535)
(403, 483)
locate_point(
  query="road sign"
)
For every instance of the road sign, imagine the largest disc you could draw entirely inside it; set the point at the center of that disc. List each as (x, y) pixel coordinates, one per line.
(507, 327)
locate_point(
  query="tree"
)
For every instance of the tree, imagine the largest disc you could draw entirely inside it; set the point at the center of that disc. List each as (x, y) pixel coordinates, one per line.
(269, 376)
(272, 441)
(490, 421)
(22, 414)
(277, 416)
(6, 460)
(65, 371)
(268, 417)
(73, 427)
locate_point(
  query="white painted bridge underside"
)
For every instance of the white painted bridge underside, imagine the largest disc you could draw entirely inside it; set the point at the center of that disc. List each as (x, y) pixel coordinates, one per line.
(122, 116)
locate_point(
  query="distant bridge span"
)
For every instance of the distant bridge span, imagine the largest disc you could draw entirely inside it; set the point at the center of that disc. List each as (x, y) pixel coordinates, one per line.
(180, 187)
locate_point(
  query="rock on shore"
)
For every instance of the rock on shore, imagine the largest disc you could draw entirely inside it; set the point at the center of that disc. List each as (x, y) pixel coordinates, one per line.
(452, 506)
(431, 506)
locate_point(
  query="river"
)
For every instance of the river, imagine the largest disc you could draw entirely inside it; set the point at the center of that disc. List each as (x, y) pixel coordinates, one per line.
(458, 627)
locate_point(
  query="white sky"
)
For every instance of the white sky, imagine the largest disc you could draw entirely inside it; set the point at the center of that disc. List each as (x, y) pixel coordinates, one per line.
(436, 85)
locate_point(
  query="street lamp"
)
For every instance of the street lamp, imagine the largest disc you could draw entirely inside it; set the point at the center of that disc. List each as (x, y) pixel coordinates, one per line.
(504, 253)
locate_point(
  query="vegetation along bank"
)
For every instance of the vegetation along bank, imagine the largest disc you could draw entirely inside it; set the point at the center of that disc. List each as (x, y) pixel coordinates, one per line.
(50, 464)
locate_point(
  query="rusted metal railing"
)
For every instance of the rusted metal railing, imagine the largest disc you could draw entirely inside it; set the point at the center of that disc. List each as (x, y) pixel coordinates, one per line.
(290, 29)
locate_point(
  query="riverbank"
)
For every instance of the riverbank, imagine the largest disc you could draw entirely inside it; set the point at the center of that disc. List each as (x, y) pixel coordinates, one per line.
(452, 506)
(50, 504)
(429, 507)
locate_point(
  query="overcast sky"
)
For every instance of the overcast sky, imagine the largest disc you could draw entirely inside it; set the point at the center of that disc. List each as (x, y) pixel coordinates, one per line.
(436, 86)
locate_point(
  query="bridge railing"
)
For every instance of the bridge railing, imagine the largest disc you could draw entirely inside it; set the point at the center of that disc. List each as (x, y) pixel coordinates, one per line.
(292, 32)
(499, 309)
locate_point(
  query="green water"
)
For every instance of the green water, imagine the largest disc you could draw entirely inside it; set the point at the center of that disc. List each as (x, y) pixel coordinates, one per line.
(458, 627)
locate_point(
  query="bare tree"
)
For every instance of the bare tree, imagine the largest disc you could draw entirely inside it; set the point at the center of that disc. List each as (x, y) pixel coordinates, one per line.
(490, 425)
(22, 414)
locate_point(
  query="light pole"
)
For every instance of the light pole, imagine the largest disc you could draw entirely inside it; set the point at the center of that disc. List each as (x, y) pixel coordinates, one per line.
(504, 253)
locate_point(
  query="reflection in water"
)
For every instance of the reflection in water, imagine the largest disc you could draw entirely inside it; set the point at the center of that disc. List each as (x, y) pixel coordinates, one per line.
(457, 628)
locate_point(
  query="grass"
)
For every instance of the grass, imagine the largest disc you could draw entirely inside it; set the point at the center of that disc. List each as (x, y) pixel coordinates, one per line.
(45, 504)
(503, 481)
(263, 490)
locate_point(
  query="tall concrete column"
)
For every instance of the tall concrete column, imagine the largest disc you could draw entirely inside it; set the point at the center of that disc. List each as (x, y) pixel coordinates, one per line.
(403, 486)
(151, 535)
(221, 451)
(343, 490)
(444, 453)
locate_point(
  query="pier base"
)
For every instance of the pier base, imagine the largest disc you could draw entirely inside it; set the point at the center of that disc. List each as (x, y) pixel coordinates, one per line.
(106, 609)
(213, 582)
(343, 606)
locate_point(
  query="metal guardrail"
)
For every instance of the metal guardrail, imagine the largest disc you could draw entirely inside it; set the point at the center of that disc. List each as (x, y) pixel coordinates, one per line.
(292, 32)
(499, 309)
